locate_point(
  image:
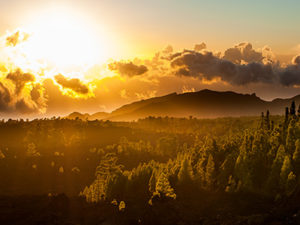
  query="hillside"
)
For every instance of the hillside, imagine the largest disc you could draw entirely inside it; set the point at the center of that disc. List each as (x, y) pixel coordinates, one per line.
(201, 104)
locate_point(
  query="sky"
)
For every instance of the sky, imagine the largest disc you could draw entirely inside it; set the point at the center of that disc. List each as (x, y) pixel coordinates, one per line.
(57, 57)
(146, 26)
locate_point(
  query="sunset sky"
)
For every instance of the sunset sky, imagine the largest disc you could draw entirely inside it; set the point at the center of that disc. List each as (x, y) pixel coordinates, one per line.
(57, 57)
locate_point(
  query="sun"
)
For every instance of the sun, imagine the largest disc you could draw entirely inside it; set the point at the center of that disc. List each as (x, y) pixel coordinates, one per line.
(64, 39)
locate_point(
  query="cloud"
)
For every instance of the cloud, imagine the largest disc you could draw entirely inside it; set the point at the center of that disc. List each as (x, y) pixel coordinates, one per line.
(16, 38)
(25, 107)
(186, 89)
(146, 95)
(290, 75)
(199, 47)
(128, 68)
(74, 84)
(243, 52)
(20, 79)
(168, 50)
(296, 60)
(268, 56)
(206, 66)
(123, 94)
(5, 98)
(15, 98)
(39, 97)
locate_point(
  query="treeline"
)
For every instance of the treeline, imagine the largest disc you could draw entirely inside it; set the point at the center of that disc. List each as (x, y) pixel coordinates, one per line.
(264, 161)
(60, 155)
(153, 171)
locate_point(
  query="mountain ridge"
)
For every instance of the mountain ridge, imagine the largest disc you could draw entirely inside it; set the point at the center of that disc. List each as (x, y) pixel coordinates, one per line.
(202, 104)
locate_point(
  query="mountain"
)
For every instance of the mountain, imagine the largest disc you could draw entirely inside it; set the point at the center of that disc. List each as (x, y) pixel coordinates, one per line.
(78, 115)
(86, 116)
(98, 115)
(201, 104)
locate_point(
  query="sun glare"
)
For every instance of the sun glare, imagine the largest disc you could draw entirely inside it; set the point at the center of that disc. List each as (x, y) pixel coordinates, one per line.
(64, 40)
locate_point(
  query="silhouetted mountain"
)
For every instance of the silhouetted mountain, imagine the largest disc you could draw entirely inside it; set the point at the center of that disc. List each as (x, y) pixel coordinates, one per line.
(78, 115)
(202, 104)
(98, 115)
(86, 116)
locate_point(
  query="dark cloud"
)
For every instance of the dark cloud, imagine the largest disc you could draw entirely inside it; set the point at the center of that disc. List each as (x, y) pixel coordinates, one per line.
(24, 107)
(20, 79)
(5, 98)
(128, 68)
(207, 66)
(16, 38)
(199, 47)
(74, 84)
(290, 75)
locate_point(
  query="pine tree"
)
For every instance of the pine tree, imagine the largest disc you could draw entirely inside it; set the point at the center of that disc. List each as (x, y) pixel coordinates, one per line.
(296, 157)
(285, 171)
(286, 115)
(185, 174)
(291, 183)
(231, 187)
(291, 137)
(272, 125)
(122, 206)
(293, 109)
(242, 163)
(274, 179)
(210, 172)
(200, 171)
(262, 120)
(268, 120)
(152, 182)
(108, 175)
(226, 169)
(163, 189)
(163, 186)
(87, 194)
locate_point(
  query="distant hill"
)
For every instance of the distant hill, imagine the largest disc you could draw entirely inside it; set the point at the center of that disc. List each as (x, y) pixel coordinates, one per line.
(86, 116)
(201, 104)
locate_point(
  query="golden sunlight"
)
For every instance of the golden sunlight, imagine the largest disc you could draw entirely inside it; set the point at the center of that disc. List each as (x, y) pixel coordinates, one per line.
(64, 39)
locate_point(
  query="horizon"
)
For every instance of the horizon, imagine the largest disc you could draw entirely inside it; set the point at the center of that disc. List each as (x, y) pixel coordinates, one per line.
(288, 98)
(32, 117)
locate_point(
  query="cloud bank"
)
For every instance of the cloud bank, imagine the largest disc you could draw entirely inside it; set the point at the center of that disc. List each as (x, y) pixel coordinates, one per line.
(240, 65)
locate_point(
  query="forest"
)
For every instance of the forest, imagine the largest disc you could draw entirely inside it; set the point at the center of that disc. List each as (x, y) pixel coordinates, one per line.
(156, 170)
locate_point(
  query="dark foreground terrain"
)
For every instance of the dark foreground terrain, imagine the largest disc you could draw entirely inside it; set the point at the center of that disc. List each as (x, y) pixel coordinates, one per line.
(213, 209)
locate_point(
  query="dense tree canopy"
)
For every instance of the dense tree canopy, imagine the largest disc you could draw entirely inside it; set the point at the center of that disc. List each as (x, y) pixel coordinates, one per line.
(173, 165)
